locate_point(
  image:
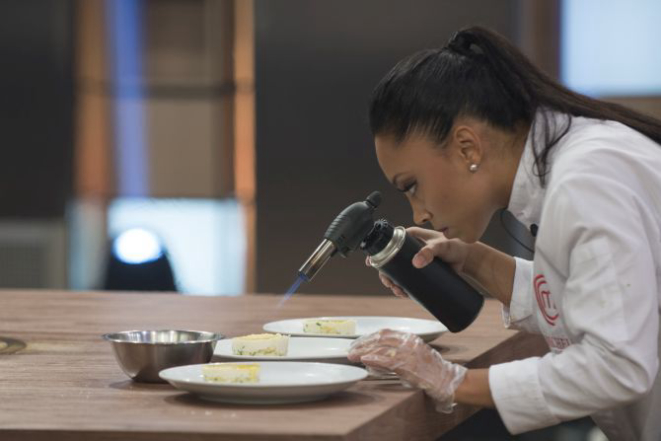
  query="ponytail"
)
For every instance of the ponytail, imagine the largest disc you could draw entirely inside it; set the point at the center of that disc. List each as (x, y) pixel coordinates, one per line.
(481, 74)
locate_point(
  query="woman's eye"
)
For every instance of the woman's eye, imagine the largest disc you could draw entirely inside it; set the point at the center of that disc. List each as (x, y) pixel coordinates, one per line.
(410, 189)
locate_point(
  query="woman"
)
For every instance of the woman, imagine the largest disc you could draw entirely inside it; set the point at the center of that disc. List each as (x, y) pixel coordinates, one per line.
(474, 127)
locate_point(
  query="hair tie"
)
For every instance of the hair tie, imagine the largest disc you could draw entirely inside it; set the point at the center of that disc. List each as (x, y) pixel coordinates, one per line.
(464, 44)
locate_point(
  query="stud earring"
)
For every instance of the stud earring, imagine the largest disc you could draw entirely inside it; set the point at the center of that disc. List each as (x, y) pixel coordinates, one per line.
(472, 168)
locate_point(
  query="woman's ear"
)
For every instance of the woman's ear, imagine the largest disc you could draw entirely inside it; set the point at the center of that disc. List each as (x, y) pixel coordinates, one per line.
(468, 145)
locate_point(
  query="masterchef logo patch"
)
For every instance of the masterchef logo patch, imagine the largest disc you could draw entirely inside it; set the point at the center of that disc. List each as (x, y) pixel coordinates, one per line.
(544, 301)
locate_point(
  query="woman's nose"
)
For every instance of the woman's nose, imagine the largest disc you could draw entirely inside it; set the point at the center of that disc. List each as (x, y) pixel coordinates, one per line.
(420, 216)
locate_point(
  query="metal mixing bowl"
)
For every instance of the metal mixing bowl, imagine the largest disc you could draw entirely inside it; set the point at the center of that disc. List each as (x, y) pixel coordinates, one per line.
(143, 354)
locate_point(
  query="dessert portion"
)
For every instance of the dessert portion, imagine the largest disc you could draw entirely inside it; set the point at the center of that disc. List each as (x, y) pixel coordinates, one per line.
(329, 326)
(231, 373)
(261, 344)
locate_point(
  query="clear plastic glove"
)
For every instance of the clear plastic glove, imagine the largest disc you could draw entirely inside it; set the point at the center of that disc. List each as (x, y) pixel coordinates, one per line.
(454, 252)
(414, 361)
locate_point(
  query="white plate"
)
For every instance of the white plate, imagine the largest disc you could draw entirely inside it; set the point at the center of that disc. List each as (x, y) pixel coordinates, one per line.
(280, 382)
(300, 349)
(428, 330)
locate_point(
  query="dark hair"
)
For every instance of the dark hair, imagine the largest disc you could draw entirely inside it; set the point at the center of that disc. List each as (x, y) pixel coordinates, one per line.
(481, 74)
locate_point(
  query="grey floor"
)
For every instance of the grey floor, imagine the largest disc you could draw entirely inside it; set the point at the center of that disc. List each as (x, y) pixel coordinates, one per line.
(486, 425)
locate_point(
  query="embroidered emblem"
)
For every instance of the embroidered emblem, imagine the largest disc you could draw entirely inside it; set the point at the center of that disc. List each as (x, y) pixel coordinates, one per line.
(544, 301)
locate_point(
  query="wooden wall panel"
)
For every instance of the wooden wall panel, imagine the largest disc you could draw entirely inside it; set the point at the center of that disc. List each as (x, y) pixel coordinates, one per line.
(36, 105)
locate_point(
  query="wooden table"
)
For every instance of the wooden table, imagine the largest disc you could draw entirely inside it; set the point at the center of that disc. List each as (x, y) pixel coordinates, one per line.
(65, 384)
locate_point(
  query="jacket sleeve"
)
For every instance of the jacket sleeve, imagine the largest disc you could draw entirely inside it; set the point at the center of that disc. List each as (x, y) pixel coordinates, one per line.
(598, 234)
(519, 313)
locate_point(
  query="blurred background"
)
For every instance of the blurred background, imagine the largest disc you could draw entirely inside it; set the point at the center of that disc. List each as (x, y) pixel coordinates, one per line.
(204, 146)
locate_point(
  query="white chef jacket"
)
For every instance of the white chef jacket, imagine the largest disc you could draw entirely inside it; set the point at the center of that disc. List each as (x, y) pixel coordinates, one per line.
(594, 288)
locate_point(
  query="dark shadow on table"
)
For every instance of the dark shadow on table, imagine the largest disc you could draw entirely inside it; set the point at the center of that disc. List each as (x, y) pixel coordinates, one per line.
(344, 399)
(486, 425)
(134, 385)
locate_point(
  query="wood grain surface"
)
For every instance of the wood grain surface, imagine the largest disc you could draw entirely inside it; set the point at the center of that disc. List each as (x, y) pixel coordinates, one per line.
(64, 384)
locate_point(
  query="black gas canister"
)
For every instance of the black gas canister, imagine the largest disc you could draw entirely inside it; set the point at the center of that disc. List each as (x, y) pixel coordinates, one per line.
(437, 287)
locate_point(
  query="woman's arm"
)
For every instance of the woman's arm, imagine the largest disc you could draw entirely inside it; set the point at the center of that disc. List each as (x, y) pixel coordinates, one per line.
(474, 390)
(492, 270)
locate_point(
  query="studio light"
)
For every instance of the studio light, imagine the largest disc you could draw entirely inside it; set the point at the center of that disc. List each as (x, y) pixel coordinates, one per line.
(137, 246)
(138, 261)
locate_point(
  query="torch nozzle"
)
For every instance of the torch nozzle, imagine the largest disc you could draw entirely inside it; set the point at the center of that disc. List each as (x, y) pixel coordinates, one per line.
(343, 235)
(317, 260)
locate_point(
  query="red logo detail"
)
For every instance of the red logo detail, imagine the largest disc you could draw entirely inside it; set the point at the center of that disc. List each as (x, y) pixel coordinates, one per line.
(546, 305)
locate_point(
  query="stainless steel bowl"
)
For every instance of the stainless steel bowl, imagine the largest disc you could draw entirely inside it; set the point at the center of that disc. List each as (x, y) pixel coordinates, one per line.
(143, 354)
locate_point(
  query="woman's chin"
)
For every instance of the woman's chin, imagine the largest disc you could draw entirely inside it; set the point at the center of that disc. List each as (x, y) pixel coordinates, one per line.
(464, 236)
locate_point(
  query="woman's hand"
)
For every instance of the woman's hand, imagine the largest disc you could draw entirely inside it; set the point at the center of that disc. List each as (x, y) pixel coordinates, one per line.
(454, 252)
(414, 361)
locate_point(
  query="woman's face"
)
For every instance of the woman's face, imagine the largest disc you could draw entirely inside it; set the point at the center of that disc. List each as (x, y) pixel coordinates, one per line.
(439, 184)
